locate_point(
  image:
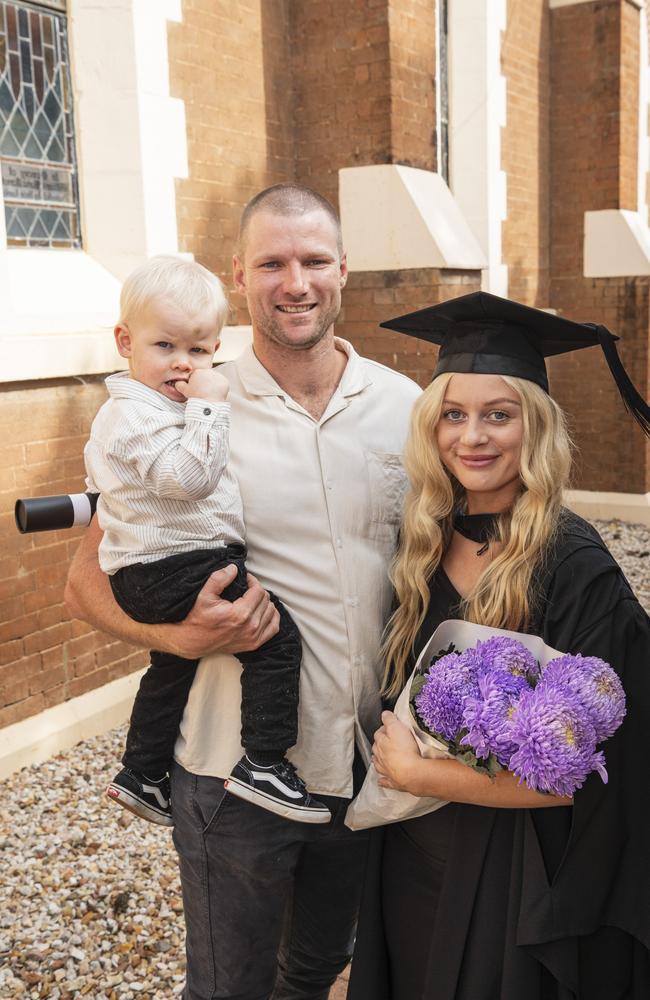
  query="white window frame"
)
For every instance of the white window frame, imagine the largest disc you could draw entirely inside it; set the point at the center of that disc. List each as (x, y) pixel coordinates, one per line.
(58, 306)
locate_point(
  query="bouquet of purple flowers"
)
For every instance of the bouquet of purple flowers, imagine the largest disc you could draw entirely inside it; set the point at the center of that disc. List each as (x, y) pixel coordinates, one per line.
(492, 707)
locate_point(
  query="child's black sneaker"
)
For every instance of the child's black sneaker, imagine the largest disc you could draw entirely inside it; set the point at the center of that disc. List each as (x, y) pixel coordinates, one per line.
(142, 796)
(278, 788)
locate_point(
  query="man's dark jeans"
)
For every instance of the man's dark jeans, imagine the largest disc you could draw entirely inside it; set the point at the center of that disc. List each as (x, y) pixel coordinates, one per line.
(270, 904)
(165, 591)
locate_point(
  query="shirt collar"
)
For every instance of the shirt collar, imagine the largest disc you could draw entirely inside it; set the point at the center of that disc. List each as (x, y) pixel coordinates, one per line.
(122, 386)
(259, 382)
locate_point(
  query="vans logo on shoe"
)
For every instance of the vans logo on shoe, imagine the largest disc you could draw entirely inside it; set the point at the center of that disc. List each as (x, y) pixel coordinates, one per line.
(158, 795)
(271, 779)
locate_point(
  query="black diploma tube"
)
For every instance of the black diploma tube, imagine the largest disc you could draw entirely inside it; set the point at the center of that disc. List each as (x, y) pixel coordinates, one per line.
(71, 510)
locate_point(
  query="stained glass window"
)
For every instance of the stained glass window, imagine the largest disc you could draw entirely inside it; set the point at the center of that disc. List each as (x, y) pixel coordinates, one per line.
(37, 154)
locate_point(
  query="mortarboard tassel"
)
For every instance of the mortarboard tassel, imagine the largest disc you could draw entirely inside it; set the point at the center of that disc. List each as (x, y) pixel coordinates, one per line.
(634, 401)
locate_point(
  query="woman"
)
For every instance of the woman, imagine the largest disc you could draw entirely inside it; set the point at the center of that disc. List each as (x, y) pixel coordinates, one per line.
(505, 893)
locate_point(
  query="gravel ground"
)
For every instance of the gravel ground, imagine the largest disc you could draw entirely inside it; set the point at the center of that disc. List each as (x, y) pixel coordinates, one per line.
(90, 899)
(630, 546)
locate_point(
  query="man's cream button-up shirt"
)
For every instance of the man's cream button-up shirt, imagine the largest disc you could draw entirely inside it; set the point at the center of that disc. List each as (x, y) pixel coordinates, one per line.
(322, 504)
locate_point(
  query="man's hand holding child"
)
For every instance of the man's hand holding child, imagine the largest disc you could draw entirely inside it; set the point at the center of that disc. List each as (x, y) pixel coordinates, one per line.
(205, 383)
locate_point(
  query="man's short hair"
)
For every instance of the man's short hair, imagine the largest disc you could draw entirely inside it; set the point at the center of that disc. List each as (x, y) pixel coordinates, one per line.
(183, 283)
(288, 199)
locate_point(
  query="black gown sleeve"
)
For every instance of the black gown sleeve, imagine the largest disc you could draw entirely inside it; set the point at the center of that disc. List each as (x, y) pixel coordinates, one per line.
(601, 877)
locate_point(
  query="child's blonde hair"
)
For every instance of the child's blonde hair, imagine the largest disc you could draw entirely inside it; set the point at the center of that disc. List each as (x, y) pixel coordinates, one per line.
(184, 283)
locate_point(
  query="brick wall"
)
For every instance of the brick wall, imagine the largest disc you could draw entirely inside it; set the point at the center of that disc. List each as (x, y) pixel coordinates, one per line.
(412, 49)
(364, 85)
(280, 90)
(230, 64)
(525, 151)
(44, 657)
(341, 74)
(629, 107)
(613, 452)
(371, 297)
(592, 90)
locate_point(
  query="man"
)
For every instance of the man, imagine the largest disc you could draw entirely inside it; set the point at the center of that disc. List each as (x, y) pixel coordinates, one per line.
(316, 435)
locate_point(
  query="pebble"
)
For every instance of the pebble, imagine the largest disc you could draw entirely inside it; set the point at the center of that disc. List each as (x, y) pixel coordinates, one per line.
(630, 546)
(89, 893)
(90, 899)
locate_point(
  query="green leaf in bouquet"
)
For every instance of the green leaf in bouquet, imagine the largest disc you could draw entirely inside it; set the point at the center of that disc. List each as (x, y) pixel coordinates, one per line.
(493, 766)
(416, 718)
(417, 684)
(489, 766)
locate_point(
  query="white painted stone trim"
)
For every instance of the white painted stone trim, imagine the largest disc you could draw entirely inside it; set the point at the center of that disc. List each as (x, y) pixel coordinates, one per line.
(34, 740)
(616, 244)
(477, 113)
(631, 507)
(131, 144)
(130, 133)
(396, 217)
(573, 3)
(234, 340)
(58, 355)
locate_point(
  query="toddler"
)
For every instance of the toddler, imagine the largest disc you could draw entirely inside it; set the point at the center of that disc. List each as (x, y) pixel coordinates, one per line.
(171, 513)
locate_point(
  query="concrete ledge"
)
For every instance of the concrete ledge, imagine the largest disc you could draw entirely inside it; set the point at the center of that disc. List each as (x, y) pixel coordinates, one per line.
(24, 357)
(616, 244)
(397, 217)
(631, 507)
(34, 740)
(573, 3)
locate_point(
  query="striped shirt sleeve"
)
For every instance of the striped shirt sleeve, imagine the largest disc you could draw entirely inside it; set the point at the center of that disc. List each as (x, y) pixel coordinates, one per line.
(177, 463)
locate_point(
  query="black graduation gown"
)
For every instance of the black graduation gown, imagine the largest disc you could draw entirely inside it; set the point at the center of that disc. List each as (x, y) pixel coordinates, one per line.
(520, 904)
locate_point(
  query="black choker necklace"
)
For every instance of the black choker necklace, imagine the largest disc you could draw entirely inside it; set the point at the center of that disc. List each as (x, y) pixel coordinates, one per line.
(478, 528)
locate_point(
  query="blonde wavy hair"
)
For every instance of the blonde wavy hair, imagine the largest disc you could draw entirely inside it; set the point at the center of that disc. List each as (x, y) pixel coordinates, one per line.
(504, 594)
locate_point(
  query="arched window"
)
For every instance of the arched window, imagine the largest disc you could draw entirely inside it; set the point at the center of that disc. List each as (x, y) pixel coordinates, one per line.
(37, 149)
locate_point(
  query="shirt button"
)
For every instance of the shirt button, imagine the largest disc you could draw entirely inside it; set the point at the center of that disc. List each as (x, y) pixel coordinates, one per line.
(207, 412)
(339, 543)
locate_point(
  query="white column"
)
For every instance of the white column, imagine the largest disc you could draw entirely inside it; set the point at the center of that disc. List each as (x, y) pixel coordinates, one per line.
(131, 145)
(131, 136)
(477, 113)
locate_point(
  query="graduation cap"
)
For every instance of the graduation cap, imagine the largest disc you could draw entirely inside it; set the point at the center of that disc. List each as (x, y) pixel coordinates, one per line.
(488, 335)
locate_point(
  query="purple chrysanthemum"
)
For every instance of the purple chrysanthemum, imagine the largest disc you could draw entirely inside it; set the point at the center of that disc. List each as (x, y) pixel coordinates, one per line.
(448, 683)
(508, 656)
(488, 717)
(595, 684)
(556, 743)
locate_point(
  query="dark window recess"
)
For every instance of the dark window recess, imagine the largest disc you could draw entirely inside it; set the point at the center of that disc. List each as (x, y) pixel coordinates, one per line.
(37, 151)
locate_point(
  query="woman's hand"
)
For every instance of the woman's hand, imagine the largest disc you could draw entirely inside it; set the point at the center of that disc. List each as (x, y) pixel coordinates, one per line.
(395, 754)
(399, 764)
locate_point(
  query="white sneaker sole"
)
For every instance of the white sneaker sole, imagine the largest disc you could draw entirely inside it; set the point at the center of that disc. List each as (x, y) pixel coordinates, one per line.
(114, 793)
(301, 814)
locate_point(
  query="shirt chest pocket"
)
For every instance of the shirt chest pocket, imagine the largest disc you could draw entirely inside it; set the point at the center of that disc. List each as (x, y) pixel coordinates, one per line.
(388, 484)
